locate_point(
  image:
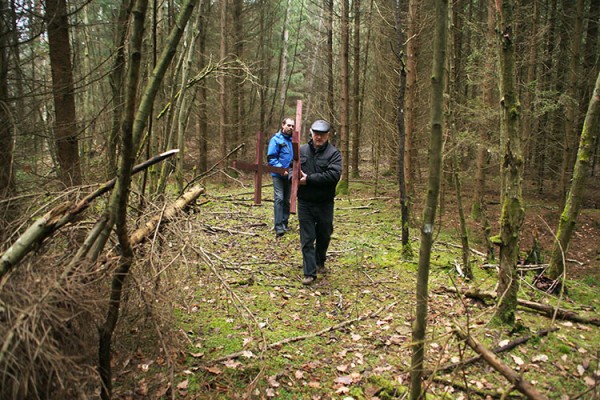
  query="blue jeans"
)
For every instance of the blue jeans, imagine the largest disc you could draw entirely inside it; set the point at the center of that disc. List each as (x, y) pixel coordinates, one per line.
(281, 202)
(316, 226)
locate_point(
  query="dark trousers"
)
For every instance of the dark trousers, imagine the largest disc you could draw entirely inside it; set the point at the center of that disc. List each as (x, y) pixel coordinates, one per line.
(316, 226)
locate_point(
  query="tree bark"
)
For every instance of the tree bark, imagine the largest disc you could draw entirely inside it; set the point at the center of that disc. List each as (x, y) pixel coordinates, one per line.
(512, 213)
(433, 189)
(65, 127)
(572, 103)
(568, 218)
(345, 96)
(7, 181)
(411, 94)
(356, 100)
(400, 121)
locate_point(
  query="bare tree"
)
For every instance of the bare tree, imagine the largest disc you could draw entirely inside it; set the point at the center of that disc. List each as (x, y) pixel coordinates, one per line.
(345, 95)
(65, 127)
(7, 182)
(433, 190)
(589, 136)
(511, 170)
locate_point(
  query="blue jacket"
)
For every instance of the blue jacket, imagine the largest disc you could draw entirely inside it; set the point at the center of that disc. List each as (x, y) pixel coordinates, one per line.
(280, 152)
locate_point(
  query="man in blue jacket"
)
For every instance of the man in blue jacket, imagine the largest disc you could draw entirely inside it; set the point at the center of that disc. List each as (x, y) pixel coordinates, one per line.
(280, 154)
(321, 171)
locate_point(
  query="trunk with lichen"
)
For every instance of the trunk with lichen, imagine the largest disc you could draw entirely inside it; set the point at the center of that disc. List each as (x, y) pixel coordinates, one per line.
(589, 136)
(511, 169)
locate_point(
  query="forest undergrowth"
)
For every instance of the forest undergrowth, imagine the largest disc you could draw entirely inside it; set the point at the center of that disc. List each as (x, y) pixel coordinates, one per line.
(245, 327)
(214, 308)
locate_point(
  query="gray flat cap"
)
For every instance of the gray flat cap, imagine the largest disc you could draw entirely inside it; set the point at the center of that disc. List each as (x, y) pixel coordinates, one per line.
(320, 125)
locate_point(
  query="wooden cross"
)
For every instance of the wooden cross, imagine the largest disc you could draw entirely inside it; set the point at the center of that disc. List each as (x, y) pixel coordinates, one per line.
(259, 168)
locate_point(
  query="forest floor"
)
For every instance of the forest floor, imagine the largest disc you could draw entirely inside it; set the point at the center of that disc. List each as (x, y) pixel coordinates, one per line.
(243, 326)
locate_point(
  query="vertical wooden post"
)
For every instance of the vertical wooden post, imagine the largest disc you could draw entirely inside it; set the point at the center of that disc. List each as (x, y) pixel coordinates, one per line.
(259, 169)
(296, 148)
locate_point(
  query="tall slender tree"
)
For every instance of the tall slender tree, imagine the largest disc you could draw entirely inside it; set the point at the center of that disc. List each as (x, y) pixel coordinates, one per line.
(589, 135)
(345, 94)
(433, 191)
(7, 182)
(65, 126)
(511, 170)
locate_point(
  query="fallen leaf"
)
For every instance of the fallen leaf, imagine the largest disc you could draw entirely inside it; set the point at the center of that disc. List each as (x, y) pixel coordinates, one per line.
(342, 368)
(503, 343)
(580, 369)
(344, 380)
(183, 385)
(589, 381)
(231, 363)
(299, 374)
(197, 355)
(540, 358)
(270, 392)
(273, 381)
(314, 384)
(343, 390)
(356, 337)
(213, 370)
(518, 360)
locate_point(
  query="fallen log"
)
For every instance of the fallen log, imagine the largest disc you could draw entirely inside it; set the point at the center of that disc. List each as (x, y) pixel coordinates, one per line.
(188, 197)
(59, 217)
(546, 310)
(519, 383)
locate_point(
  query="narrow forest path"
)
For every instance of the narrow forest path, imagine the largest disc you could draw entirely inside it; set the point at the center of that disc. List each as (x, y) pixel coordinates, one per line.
(247, 328)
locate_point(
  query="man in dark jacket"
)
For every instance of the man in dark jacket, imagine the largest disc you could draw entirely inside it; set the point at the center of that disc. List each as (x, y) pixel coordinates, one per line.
(280, 154)
(321, 171)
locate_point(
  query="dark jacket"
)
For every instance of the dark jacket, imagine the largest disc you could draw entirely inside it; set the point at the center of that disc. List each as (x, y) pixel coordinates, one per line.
(324, 169)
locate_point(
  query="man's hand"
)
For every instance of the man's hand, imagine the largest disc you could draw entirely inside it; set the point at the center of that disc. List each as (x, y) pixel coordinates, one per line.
(302, 180)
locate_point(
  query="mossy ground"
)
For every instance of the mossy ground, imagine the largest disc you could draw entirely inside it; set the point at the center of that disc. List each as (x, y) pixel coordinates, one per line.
(235, 287)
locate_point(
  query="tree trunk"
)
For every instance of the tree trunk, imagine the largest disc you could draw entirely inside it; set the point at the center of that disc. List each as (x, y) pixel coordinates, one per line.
(120, 198)
(329, 54)
(202, 114)
(7, 182)
(572, 103)
(356, 100)
(411, 94)
(65, 127)
(433, 190)
(133, 125)
(116, 85)
(464, 235)
(345, 96)
(223, 49)
(404, 210)
(485, 130)
(512, 213)
(589, 135)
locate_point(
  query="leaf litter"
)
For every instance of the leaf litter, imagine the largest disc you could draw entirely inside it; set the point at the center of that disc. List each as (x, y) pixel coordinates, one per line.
(329, 341)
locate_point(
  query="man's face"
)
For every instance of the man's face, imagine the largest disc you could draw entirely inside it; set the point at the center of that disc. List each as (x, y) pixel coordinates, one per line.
(287, 127)
(320, 138)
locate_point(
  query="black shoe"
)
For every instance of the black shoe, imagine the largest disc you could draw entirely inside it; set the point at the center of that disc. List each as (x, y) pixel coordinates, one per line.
(322, 270)
(280, 233)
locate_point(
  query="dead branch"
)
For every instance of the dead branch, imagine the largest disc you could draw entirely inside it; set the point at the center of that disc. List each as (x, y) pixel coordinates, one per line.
(280, 343)
(545, 309)
(520, 384)
(230, 231)
(496, 350)
(59, 217)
